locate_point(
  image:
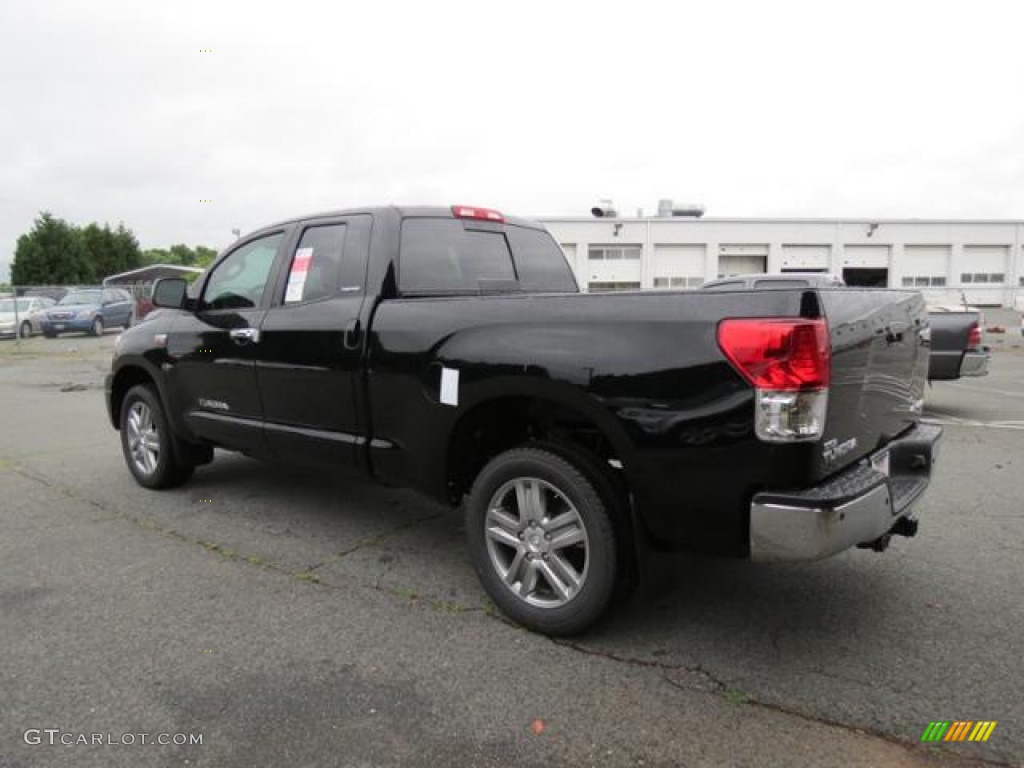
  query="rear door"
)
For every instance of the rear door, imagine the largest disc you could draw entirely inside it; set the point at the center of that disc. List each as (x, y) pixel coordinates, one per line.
(308, 359)
(214, 376)
(117, 307)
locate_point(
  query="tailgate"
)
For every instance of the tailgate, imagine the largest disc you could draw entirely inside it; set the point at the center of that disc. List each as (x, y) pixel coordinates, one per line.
(879, 368)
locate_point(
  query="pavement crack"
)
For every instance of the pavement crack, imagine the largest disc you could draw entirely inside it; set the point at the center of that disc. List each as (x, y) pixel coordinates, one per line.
(697, 679)
(703, 680)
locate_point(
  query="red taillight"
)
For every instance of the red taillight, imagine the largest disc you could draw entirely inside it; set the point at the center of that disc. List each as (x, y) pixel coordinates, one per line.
(778, 354)
(974, 337)
(472, 212)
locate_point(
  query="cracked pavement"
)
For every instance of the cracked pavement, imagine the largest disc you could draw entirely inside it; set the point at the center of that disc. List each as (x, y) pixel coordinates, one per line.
(297, 619)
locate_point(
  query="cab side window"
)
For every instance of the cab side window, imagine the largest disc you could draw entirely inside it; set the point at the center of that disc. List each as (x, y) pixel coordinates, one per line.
(238, 281)
(318, 268)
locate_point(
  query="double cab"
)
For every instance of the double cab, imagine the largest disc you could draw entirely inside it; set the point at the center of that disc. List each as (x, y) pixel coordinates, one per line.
(449, 350)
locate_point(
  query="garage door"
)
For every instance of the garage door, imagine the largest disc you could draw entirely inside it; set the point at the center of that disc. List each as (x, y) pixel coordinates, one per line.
(806, 257)
(678, 266)
(925, 267)
(742, 259)
(982, 273)
(866, 256)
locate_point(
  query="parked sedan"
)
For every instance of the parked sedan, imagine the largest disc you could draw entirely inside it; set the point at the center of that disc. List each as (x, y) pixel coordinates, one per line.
(89, 310)
(27, 320)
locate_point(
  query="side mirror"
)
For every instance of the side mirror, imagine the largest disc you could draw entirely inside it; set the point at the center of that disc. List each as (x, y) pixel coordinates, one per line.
(169, 292)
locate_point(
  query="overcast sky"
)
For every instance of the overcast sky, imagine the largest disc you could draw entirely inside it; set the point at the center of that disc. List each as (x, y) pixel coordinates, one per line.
(110, 112)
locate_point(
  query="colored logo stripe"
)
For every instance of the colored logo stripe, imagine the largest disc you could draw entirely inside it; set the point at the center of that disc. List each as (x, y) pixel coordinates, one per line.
(982, 731)
(959, 730)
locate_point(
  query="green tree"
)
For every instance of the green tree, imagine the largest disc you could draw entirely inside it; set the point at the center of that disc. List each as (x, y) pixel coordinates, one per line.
(111, 251)
(156, 256)
(204, 256)
(52, 253)
(181, 254)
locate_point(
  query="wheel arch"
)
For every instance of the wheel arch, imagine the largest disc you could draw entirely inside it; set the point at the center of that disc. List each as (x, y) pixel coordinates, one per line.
(127, 374)
(496, 424)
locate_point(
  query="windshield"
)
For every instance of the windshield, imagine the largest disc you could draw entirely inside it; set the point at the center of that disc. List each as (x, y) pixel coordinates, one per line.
(7, 305)
(81, 297)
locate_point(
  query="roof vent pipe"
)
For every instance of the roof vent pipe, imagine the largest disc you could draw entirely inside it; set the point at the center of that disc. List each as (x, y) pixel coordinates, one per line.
(688, 210)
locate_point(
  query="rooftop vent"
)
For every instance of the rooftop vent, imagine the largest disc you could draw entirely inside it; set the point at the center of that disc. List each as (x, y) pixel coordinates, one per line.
(604, 210)
(668, 209)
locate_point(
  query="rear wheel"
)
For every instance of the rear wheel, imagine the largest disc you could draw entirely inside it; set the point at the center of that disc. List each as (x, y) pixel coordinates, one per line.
(97, 326)
(148, 442)
(542, 541)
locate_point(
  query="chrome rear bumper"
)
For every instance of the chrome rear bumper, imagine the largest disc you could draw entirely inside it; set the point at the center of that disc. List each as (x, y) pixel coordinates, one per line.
(859, 506)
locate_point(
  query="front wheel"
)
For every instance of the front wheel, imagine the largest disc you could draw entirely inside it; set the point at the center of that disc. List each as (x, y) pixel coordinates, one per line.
(25, 331)
(148, 442)
(542, 541)
(97, 326)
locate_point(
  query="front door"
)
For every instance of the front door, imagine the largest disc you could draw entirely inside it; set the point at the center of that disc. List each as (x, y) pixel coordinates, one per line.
(309, 356)
(213, 379)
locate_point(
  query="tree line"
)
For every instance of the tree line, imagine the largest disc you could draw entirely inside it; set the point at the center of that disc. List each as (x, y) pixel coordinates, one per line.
(56, 252)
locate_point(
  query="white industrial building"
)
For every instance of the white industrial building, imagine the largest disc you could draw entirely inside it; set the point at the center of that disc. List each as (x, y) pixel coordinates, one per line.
(947, 260)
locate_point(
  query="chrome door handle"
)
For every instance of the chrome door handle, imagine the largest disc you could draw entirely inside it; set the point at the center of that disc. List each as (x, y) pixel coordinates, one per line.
(244, 335)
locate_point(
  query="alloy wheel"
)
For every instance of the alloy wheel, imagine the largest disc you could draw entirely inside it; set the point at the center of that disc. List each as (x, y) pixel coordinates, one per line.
(537, 542)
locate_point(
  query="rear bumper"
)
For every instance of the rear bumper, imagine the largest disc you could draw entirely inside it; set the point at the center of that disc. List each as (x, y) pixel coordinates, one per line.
(859, 506)
(975, 363)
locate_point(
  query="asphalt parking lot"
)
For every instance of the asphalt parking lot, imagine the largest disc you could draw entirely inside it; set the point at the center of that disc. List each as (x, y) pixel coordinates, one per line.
(295, 620)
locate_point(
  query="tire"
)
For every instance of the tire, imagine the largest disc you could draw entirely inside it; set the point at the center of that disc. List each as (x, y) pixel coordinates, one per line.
(149, 446)
(541, 538)
(25, 331)
(50, 334)
(97, 326)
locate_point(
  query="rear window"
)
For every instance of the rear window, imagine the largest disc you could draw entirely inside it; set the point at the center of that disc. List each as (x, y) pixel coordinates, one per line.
(444, 256)
(541, 264)
(452, 256)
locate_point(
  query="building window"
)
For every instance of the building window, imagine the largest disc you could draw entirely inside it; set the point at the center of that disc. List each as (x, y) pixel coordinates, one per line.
(614, 252)
(983, 277)
(923, 281)
(691, 281)
(608, 287)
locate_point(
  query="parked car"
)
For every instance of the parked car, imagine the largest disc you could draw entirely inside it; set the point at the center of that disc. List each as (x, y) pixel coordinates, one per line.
(449, 350)
(955, 331)
(957, 343)
(88, 310)
(27, 320)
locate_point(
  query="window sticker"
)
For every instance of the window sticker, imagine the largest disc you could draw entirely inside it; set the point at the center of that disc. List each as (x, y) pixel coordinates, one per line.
(450, 386)
(297, 275)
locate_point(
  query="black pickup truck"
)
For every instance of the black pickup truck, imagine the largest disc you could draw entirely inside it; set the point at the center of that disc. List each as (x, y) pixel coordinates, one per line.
(449, 350)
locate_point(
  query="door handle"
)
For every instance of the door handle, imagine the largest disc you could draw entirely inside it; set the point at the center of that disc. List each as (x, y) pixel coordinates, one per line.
(351, 340)
(244, 335)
